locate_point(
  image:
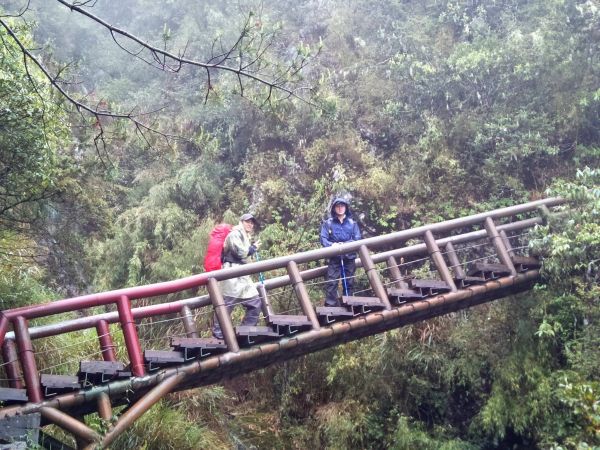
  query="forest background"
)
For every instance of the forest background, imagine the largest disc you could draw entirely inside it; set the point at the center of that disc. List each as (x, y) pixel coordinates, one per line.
(419, 110)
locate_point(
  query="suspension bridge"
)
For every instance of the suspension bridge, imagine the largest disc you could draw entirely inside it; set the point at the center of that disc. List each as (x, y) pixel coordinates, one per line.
(404, 277)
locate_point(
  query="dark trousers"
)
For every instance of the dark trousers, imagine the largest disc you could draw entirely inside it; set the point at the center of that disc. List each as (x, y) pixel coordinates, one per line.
(335, 275)
(252, 306)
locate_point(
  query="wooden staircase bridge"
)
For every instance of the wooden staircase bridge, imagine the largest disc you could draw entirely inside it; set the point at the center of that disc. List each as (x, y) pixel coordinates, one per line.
(406, 277)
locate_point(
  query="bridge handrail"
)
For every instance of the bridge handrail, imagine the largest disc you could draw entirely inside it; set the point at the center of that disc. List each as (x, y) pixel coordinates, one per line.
(174, 307)
(194, 281)
(162, 288)
(126, 315)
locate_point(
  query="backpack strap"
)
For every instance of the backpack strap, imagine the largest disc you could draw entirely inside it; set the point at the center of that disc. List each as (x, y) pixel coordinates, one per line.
(226, 254)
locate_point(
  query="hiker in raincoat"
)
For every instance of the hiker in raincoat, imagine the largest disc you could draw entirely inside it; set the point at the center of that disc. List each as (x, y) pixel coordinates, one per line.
(338, 229)
(237, 248)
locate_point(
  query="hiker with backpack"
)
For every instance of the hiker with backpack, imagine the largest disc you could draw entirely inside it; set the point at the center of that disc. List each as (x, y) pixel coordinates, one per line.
(339, 229)
(238, 247)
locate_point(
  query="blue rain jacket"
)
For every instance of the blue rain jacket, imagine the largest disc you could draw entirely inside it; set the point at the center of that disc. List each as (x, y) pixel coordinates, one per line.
(333, 230)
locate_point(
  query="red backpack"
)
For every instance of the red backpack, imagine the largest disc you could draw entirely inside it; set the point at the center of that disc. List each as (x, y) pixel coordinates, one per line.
(212, 259)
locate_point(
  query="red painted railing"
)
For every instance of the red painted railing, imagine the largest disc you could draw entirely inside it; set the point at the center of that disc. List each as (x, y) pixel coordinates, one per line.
(125, 315)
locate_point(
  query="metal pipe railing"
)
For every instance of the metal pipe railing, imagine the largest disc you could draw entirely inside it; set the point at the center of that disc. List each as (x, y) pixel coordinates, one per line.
(174, 307)
(339, 331)
(127, 315)
(194, 281)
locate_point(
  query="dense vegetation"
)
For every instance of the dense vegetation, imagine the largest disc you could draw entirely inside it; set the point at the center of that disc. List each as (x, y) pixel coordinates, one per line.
(422, 111)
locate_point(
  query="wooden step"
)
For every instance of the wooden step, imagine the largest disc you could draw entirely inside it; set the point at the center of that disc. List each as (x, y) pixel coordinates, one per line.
(362, 305)
(489, 271)
(466, 281)
(98, 372)
(428, 288)
(366, 301)
(58, 384)
(12, 395)
(160, 358)
(330, 314)
(248, 335)
(397, 295)
(198, 347)
(288, 324)
(525, 263)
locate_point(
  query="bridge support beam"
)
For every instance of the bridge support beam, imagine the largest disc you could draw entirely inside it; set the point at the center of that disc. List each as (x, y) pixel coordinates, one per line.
(438, 260)
(106, 342)
(141, 406)
(501, 250)
(188, 322)
(454, 261)
(30, 372)
(3, 326)
(507, 244)
(265, 304)
(132, 341)
(78, 429)
(302, 294)
(395, 273)
(11, 364)
(373, 276)
(223, 315)
(104, 406)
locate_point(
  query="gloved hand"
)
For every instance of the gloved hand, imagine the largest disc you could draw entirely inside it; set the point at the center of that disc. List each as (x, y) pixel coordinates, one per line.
(253, 248)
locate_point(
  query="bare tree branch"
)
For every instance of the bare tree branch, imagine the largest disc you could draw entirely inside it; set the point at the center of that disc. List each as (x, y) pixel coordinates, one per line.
(181, 60)
(244, 59)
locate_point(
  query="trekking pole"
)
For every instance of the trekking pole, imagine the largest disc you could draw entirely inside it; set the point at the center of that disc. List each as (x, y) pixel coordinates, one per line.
(344, 276)
(261, 276)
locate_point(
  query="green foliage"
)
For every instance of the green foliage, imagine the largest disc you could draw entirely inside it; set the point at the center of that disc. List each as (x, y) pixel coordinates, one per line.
(165, 427)
(155, 241)
(584, 400)
(570, 248)
(571, 242)
(32, 131)
(413, 435)
(21, 283)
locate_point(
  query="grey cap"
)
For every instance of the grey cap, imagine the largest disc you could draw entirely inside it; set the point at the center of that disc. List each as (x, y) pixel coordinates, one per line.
(247, 217)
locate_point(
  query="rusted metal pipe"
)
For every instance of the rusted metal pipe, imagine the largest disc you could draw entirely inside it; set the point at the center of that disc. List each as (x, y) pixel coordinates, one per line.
(132, 342)
(501, 251)
(373, 276)
(104, 406)
(438, 260)
(265, 304)
(142, 312)
(106, 342)
(507, 244)
(302, 294)
(194, 281)
(395, 273)
(27, 358)
(4, 322)
(273, 283)
(223, 315)
(343, 331)
(141, 406)
(454, 261)
(413, 250)
(11, 364)
(70, 424)
(188, 322)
